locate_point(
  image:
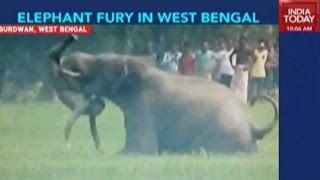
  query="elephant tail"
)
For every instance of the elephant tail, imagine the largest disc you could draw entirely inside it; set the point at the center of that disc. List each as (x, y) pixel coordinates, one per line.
(56, 51)
(259, 133)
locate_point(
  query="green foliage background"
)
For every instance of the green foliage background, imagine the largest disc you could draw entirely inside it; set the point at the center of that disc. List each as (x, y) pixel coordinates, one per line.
(25, 57)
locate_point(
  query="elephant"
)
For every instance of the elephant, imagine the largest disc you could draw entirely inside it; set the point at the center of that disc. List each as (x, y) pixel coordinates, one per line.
(70, 95)
(165, 112)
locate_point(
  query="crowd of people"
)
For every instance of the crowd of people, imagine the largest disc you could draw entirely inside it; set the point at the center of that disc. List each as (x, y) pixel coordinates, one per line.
(247, 67)
(247, 71)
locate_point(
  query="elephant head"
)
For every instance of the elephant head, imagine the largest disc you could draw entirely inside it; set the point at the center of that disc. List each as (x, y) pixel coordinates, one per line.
(107, 75)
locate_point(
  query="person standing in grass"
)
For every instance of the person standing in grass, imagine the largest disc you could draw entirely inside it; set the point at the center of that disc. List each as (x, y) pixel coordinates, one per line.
(276, 67)
(258, 70)
(239, 82)
(206, 61)
(187, 61)
(226, 71)
(271, 65)
(171, 59)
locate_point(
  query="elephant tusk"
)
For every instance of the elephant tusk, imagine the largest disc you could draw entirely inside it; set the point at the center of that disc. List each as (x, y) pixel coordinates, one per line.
(71, 73)
(75, 37)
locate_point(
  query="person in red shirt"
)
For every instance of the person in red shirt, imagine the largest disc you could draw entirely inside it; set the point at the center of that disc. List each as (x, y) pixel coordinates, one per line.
(187, 61)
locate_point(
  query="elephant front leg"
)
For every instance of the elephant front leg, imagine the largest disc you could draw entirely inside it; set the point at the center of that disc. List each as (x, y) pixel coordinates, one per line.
(140, 143)
(141, 133)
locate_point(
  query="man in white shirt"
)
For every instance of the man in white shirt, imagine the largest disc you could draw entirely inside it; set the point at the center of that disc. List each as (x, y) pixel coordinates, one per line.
(226, 71)
(171, 59)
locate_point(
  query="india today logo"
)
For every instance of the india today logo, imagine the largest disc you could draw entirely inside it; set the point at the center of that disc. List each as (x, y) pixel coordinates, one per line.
(298, 15)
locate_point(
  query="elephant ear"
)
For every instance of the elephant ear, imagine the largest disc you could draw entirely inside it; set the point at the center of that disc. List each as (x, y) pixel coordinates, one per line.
(130, 77)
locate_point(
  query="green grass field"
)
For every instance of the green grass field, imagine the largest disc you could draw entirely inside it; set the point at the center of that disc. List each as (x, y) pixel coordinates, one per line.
(31, 147)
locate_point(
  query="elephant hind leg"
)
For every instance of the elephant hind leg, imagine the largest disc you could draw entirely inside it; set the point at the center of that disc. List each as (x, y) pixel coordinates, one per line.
(140, 143)
(218, 142)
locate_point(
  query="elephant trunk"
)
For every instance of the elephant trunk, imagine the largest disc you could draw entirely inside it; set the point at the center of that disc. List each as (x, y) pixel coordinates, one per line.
(57, 73)
(56, 52)
(259, 133)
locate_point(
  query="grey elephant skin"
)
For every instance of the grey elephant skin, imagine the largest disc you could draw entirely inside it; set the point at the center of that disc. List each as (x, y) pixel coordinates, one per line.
(166, 112)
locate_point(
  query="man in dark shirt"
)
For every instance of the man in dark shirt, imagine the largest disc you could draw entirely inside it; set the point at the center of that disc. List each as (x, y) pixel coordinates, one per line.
(161, 48)
(239, 84)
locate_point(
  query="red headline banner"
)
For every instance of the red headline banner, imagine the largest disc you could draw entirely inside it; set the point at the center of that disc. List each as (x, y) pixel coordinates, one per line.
(45, 29)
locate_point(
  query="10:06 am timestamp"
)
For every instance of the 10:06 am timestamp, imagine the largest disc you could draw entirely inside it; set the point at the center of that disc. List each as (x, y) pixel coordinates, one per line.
(299, 28)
